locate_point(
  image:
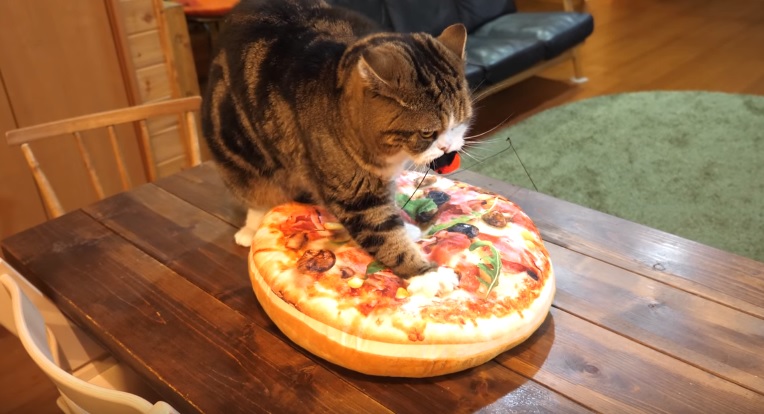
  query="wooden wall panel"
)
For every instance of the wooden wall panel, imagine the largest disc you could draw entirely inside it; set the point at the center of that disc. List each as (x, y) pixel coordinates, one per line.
(167, 144)
(138, 16)
(162, 65)
(57, 60)
(153, 84)
(145, 49)
(20, 206)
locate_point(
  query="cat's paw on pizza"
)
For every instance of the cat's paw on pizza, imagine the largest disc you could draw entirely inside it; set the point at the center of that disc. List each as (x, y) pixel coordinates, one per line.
(414, 232)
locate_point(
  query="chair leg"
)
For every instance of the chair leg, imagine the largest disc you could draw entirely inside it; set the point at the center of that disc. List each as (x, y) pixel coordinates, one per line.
(578, 73)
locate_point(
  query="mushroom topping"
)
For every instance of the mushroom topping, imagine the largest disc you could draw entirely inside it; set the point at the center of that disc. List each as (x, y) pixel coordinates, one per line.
(316, 261)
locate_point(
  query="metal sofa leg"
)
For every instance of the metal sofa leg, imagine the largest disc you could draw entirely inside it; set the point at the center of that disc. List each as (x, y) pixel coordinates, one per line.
(578, 73)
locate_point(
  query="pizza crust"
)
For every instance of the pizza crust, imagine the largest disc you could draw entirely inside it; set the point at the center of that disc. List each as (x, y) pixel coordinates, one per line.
(375, 357)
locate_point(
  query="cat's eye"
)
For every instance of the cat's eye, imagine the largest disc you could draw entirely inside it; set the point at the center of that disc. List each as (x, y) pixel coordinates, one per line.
(427, 134)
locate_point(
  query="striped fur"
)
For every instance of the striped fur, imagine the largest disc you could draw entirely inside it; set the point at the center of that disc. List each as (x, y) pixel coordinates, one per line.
(311, 103)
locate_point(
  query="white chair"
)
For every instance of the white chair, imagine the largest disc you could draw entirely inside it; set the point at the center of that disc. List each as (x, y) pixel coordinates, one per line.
(99, 385)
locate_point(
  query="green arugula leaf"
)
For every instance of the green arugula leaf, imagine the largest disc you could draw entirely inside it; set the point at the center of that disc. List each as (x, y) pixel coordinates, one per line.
(414, 207)
(491, 264)
(374, 267)
(457, 220)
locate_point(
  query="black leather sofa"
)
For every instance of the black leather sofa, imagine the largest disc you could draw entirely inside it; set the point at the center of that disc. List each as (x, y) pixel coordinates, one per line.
(504, 45)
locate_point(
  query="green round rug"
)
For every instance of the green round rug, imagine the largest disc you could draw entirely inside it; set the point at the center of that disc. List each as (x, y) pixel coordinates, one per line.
(688, 163)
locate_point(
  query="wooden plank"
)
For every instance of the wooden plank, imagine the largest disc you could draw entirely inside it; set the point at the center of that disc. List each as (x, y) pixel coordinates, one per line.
(609, 373)
(145, 49)
(167, 144)
(138, 15)
(201, 247)
(153, 83)
(177, 31)
(184, 238)
(157, 124)
(708, 335)
(171, 166)
(220, 360)
(682, 263)
(203, 187)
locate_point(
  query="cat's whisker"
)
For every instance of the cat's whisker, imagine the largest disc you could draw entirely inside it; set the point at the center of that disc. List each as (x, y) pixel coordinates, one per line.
(473, 157)
(490, 130)
(472, 91)
(483, 144)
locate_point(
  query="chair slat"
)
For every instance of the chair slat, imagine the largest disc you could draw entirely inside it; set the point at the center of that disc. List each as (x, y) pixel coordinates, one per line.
(102, 119)
(123, 176)
(184, 111)
(193, 139)
(92, 174)
(148, 157)
(46, 191)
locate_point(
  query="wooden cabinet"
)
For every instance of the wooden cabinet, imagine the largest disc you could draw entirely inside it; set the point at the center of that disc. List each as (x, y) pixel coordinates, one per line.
(63, 59)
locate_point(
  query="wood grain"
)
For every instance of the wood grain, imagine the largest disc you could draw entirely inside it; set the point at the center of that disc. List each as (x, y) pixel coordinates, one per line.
(145, 48)
(138, 16)
(200, 246)
(609, 373)
(239, 366)
(705, 334)
(203, 188)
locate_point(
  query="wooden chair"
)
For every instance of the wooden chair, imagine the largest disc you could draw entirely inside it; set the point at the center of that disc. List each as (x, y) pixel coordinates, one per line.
(184, 108)
(112, 388)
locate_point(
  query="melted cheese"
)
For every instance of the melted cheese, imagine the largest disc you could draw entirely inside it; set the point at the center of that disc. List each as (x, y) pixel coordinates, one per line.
(440, 282)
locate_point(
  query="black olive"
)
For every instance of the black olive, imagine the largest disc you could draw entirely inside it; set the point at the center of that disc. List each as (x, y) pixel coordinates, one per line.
(532, 274)
(425, 216)
(467, 229)
(438, 197)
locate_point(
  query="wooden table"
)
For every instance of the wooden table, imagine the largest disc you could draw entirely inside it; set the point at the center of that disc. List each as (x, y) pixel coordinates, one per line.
(642, 320)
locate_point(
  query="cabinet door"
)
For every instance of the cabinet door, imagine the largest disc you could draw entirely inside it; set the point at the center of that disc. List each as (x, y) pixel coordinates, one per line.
(58, 59)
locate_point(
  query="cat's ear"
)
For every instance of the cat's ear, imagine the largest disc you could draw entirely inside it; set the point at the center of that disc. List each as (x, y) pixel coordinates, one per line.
(454, 37)
(381, 63)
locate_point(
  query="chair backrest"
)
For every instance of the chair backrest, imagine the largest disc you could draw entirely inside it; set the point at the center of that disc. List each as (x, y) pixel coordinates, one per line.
(184, 108)
(80, 396)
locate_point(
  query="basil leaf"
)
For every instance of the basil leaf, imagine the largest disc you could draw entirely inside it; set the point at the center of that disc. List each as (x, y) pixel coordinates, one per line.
(375, 267)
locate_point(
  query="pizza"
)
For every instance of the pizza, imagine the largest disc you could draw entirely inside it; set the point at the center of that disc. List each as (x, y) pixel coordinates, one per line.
(492, 288)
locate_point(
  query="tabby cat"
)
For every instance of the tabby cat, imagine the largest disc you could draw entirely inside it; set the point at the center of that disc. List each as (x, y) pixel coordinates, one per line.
(315, 104)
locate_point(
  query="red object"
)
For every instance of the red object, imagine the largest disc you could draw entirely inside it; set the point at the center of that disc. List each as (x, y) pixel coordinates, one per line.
(207, 8)
(446, 163)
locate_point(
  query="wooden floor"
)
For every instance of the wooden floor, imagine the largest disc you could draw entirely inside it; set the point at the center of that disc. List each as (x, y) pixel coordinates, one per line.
(636, 46)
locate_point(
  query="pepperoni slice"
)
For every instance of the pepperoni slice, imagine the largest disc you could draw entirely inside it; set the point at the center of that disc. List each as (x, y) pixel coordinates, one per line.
(446, 245)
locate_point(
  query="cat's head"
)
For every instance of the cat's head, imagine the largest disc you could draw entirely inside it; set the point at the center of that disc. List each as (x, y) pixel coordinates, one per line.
(415, 102)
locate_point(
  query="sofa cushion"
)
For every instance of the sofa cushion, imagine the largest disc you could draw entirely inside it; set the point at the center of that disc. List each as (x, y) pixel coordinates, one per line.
(475, 75)
(474, 13)
(376, 10)
(502, 57)
(558, 31)
(431, 16)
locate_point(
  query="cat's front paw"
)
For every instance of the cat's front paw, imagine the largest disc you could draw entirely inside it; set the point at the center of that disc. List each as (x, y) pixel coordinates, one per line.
(414, 232)
(415, 266)
(244, 236)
